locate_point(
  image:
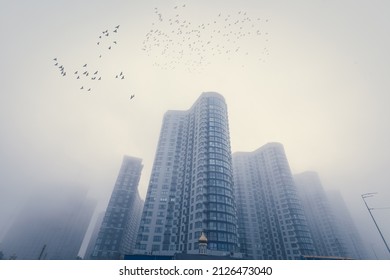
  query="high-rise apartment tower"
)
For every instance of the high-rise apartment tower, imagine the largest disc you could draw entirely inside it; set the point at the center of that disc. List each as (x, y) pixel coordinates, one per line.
(191, 185)
(120, 223)
(271, 221)
(321, 219)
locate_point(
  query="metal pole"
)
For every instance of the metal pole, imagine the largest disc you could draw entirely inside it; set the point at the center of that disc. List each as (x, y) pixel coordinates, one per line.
(369, 211)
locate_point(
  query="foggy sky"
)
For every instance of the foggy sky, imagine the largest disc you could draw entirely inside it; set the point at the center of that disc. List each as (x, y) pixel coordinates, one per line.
(322, 91)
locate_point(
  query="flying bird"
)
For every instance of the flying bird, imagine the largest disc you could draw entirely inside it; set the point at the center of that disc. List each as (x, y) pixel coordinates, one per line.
(131, 97)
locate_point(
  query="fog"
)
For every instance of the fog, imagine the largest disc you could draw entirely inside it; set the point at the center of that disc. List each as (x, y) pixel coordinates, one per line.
(315, 79)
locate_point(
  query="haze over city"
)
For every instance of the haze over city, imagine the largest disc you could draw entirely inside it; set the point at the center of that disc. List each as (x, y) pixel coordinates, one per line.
(312, 75)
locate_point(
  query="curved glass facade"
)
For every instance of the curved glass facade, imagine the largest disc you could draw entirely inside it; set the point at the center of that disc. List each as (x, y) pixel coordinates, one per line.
(220, 211)
(191, 186)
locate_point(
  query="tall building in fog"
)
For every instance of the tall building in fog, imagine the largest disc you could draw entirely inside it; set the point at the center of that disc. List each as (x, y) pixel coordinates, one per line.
(348, 231)
(321, 219)
(94, 235)
(119, 228)
(51, 226)
(191, 185)
(271, 221)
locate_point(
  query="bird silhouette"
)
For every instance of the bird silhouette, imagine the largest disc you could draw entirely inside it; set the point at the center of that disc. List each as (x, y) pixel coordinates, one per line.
(182, 42)
(132, 96)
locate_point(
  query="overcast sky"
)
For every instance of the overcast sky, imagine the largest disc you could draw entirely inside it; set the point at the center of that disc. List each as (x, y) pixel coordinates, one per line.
(313, 75)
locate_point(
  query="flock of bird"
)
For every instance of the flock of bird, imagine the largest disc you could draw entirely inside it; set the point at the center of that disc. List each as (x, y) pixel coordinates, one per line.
(107, 40)
(86, 74)
(174, 40)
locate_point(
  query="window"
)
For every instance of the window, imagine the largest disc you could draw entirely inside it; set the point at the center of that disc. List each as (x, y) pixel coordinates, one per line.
(157, 238)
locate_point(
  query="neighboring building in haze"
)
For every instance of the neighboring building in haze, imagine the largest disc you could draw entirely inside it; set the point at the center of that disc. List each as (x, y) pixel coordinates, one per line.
(94, 235)
(271, 221)
(119, 228)
(348, 231)
(52, 226)
(191, 185)
(321, 219)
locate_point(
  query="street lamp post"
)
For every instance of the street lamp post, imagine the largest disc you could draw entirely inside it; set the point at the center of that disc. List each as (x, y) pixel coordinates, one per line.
(369, 211)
